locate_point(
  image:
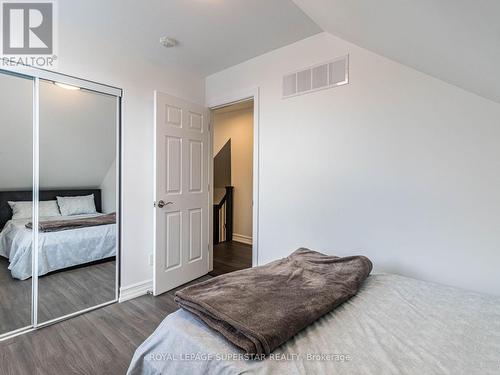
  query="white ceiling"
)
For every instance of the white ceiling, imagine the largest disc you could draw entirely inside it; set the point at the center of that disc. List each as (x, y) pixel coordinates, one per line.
(457, 41)
(212, 34)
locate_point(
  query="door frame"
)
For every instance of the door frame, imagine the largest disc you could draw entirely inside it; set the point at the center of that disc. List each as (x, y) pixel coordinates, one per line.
(212, 104)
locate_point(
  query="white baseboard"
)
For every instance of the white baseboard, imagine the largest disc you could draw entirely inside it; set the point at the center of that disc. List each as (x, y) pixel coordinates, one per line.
(241, 238)
(135, 290)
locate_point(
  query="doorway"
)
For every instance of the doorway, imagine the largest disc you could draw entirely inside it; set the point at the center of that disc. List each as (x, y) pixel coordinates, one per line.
(233, 185)
(184, 194)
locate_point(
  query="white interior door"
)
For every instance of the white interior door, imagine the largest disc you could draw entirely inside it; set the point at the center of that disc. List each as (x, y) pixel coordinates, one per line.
(182, 198)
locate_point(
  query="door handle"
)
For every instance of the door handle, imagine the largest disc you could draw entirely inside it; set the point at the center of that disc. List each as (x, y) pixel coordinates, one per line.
(162, 204)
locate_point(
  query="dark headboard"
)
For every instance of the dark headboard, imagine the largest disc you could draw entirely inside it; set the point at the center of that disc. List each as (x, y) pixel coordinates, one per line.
(45, 195)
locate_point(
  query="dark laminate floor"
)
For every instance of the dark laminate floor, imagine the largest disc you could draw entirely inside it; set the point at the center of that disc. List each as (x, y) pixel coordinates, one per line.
(60, 293)
(65, 292)
(15, 300)
(99, 342)
(231, 256)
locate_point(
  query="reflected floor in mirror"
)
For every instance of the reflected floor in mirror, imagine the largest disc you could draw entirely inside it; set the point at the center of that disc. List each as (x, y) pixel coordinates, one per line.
(15, 297)
(65, 292)
(61, 293)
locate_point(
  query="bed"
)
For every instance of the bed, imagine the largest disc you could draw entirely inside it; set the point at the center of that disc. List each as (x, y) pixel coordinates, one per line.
(57, 250)
(394, 325)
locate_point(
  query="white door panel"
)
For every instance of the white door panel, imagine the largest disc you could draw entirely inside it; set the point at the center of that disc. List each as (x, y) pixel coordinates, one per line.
(182, 157)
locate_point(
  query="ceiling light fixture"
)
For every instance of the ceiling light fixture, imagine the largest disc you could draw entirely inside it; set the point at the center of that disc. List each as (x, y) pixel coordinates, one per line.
(168, 42)
(67, 87)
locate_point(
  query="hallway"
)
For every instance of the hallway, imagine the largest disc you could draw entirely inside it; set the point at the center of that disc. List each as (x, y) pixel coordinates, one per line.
(231, 256)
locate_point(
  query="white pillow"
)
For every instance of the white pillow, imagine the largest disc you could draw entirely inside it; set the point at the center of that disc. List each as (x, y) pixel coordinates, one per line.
(77, 205)
(23, 210)
(48, 209)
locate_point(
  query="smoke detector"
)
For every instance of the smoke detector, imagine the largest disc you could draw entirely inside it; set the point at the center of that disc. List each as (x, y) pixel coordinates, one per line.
(168, 42)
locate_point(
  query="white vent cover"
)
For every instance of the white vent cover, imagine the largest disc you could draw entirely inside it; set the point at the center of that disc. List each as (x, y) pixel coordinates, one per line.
(318, 77)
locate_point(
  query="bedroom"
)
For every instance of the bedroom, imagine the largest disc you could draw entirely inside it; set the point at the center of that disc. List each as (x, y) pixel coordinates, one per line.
(398, 165)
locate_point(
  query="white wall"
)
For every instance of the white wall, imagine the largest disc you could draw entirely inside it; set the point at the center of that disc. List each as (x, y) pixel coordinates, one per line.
(16, 133)
(108, 190)
(238, 126)
(396, 165)
(85, 54)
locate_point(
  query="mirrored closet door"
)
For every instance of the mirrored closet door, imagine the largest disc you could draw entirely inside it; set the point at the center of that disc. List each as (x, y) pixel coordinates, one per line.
(16, 197)
(77, 169)
(59, 194)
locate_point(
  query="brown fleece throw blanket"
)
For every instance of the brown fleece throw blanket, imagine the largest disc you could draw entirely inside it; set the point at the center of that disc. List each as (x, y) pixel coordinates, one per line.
(59, 225)
(260, 308)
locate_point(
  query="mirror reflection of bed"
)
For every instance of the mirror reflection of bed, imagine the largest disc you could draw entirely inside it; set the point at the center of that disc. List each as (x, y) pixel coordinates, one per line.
(77, 192)
(77, 253)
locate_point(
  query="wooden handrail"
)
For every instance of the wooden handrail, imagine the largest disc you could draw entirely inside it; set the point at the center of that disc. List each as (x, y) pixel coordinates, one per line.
(221, 203)
(227, 202)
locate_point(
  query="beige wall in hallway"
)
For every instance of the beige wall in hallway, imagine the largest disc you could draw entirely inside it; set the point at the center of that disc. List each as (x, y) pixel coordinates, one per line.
(237, 125)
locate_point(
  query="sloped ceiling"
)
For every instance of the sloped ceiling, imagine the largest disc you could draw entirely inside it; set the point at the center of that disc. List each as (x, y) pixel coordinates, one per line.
(457, 41)
(77, 136)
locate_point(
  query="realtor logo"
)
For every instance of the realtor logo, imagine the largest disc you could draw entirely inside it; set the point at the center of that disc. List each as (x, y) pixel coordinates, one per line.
(28, 32)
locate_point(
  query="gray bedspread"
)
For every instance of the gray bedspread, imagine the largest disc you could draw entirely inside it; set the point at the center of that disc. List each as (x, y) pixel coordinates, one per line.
(67, 224)
(394, 325)
(276, 300)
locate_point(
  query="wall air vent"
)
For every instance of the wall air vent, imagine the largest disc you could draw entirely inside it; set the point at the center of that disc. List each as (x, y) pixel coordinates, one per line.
(318, 77)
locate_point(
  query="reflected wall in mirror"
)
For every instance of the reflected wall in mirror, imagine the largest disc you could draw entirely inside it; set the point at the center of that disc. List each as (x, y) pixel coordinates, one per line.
(16, 195)
(77, 167)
